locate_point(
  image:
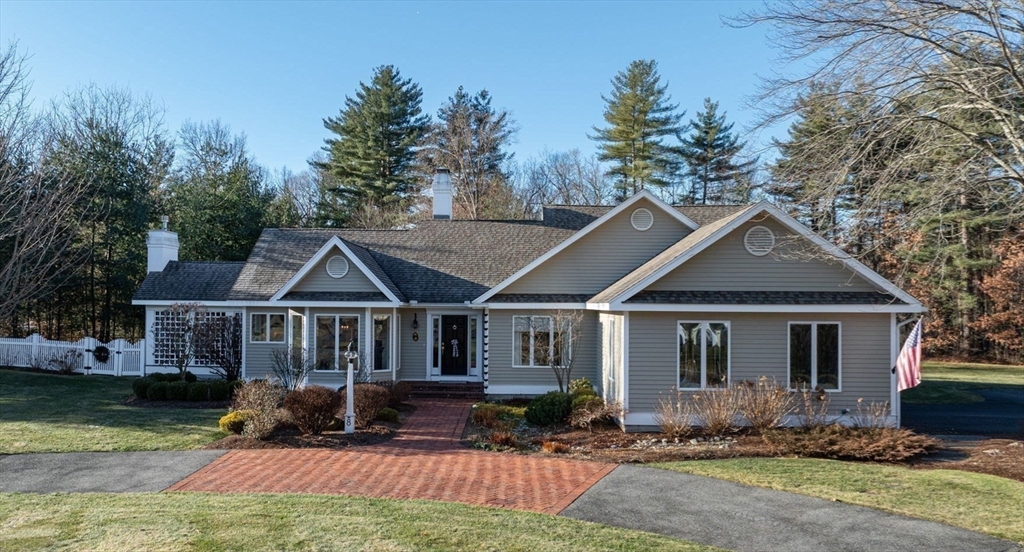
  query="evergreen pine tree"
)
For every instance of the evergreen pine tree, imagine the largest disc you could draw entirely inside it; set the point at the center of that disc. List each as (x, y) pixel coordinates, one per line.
(709, 153)
(639, 116)
(374, 152)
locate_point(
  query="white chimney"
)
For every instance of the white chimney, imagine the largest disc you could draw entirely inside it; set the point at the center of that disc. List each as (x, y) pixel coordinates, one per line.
(163, 247)
(442, 188)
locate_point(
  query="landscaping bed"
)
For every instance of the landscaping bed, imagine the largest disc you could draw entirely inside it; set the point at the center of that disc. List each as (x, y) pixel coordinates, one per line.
(291, 437)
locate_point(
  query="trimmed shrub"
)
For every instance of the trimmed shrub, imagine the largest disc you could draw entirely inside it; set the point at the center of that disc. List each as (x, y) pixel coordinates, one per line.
(370, 399)
(849, 443)
(157, 391)
(220, 390)
(190, 377)
(549, 409)
(158, 376)
(581, 387)
(554, 447)
(198, 391)
(140, 386)
(234, 421)
(177, 391)
(716, 409)
(674, 414)
(504, 439)
(262, 397)
(312, 408)
(389, 415)
(400, 392)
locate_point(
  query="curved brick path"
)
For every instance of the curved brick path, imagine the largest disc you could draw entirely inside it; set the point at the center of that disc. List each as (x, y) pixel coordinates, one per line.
(424, 461)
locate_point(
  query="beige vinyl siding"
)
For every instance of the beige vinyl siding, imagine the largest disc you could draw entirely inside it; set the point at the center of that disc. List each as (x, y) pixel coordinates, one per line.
(414, 353)
(759, 347)
(317, 279)
(258, 356)
(501, 350)
(794, 265)
(603, 256)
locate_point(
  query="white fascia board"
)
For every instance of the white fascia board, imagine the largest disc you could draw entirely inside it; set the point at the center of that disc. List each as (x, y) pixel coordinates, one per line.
(312, 262)
(282, 304)
(533, 306)
(643, 194)
(856, 266)
(649, 307)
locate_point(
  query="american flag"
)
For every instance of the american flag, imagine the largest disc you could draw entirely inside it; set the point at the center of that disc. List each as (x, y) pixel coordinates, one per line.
(908, 364)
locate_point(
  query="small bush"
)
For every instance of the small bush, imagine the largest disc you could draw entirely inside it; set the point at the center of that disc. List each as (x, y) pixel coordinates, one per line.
(549, 409)
(313, 408)
(593, 411)
(872, 414)
(177, 390)
(140, 386)
(234, 421)
(485, 415)
(157, 391)
(198, 391)
(66, 362)
(582, 386)
(583, 401)
(400, 392)
(814, 406)
(220, 390)
(716, 409)
(160, 376)
(370, 399)
(554, 447)
(504, 439)
(190, 377)
(262, 398)
(764, 404)
(674, 414)
(847, 443)
(389, 415)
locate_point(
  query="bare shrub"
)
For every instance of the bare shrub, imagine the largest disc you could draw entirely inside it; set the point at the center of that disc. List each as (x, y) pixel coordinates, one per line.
(262, 398)
(847, 443)
(65, 362)
(370, 399)
(814, 405)
(554, 447)
(716, 409)
(674, 414)
(486, 415)
(400, 391)
(873, 414)
(594, 411)
(290, 367)
(764, 404)
(313, 408)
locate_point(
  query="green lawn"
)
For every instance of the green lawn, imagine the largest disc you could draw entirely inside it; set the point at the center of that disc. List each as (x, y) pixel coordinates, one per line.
(51, 413)
(955, 383)
(980, 502)
(199, 521)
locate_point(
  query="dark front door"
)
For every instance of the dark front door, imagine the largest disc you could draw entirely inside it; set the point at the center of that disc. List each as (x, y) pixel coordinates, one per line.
(455, 345)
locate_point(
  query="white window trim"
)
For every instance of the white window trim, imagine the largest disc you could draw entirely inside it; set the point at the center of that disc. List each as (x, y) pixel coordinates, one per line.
(337, 342)
(814, 354)
(391, 341)
(704, 324)
(267, 315)
(434, 373)
(533, 333)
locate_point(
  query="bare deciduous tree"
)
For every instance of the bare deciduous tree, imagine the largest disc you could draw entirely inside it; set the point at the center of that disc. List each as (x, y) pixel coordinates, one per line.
(557, 340)
(180, 335)
(566, 178)
(39, 205)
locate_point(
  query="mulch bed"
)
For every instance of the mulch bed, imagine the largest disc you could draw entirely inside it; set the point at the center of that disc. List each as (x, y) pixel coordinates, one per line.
(289, 437)
(1002, 457)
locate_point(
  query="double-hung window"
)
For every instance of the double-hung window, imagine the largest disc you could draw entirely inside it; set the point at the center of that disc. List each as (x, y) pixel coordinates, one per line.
(266, 328)
(814, 353)
(703, 354)
(537, 342)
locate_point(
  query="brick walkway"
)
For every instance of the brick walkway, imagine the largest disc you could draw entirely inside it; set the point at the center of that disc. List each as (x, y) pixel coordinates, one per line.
(425, 461)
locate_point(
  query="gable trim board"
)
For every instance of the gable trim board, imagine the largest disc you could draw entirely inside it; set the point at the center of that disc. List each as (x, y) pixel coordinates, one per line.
(352, 258)
(643, 194)
(607, 300)
(645, 307)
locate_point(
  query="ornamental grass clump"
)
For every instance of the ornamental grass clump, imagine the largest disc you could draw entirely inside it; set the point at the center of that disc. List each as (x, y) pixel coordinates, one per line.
(313, 408)
(262, 397)
(716, 410)
(814, 408)
(764, 404)
(873, 414)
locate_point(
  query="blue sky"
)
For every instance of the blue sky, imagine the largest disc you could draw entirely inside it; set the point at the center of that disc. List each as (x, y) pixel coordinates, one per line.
(275, 70)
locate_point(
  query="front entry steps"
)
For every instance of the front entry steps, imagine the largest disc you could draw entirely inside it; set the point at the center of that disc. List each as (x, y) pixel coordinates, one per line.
(447, 390)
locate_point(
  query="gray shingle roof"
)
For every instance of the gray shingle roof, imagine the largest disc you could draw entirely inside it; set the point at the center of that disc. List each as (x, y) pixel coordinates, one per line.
(539, 298)
(578, 216)
(765, 298)
(190, 281)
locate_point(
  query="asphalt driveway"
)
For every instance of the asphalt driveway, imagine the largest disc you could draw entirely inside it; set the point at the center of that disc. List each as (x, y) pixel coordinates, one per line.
(742, 518)
(1000, 415)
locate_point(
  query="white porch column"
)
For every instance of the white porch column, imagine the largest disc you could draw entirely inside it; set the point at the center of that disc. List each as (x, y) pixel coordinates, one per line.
(487, 347)
(368, 344)
(393, 343)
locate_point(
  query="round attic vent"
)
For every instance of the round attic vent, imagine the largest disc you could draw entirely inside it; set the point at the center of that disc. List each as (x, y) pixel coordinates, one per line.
(759, 241)
(641, 219)
(337, 266)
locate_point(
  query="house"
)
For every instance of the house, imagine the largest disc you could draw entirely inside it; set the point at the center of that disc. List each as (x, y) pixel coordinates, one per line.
(690, 297)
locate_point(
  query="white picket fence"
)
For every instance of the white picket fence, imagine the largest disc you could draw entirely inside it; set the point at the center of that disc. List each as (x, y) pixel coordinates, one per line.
(35, 351)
